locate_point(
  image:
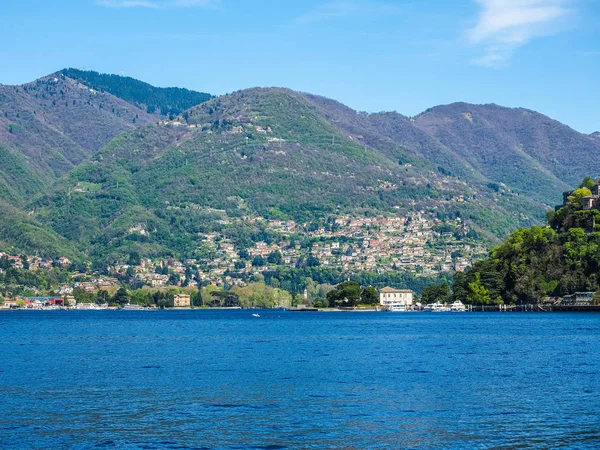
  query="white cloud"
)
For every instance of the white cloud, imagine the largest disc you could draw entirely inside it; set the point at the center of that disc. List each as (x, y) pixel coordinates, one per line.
(157, 4)
(506, 25)
(338, 9)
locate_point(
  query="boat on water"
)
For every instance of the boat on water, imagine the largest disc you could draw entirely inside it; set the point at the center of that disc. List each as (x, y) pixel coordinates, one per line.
(458, 306)
(130, 307)
(255, 315)
(397, 307)
(89, 307)
(436, 307)
(394, 305)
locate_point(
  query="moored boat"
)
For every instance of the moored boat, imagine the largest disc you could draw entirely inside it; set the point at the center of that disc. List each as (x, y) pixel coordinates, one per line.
(436, 307)
(458, 306)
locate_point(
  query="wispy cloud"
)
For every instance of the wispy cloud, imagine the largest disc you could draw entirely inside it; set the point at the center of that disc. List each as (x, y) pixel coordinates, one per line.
(339, 9)
(505, 25)
(158, 4)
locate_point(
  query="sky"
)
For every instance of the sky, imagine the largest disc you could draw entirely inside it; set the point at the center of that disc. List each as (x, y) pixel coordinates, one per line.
(394, 55)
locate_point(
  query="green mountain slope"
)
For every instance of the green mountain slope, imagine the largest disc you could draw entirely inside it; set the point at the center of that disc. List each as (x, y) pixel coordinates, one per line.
(529, 152)
(270, 152)
(152, 99)
(55, 123)
(17, 180)
(92, 169)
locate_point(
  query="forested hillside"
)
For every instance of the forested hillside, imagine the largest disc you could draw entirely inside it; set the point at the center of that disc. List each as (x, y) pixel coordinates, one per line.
(559, 259)
(529, 152)
(55, 123)
(165, 101)
(261, 151)
(86, 162)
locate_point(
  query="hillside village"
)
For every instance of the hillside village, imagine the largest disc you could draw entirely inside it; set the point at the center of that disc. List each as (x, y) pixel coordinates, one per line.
(419, 245)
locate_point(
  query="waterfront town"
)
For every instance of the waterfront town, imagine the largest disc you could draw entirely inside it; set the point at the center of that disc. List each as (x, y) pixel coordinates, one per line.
(421, 245)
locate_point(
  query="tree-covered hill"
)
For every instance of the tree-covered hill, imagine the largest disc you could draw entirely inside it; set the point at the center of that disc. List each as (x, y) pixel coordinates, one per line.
(85, 160)
(531, 153)
(270, 152)
(559, 259)
(153, 99)
(54, 123)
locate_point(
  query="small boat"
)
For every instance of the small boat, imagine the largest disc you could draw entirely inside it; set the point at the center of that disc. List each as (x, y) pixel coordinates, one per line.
(458, 306)
(255, 315)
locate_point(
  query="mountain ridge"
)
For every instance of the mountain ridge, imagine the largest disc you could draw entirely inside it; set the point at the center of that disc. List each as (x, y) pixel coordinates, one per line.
(281, 153)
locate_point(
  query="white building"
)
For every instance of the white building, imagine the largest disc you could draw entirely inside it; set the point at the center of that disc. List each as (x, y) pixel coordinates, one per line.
(395, 299)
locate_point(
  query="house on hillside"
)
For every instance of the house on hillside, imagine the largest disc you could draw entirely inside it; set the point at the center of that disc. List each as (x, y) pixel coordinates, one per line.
(589, 201)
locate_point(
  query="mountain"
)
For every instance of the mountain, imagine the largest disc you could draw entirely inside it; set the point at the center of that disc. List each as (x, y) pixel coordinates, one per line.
(153, 99)
(529, 152)
(272, 152)
(54, 123)
(50, 126)
(91, 167)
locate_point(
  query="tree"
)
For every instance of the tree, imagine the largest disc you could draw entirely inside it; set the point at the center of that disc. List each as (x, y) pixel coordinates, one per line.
(197, 298)
(575, 200)
(226, 299)
(102, 297)
(5, 263)
(312, 261)
(82, 296)
(275, 258)
(164, 299)
(130, 273)
(588, 182)
(121, 297)
(345, 294)
(21, 303)
(258, 261)
(188, 276)
(134, 259)
(436, 293)
(174, 279)
(369, 296)
(478, 294)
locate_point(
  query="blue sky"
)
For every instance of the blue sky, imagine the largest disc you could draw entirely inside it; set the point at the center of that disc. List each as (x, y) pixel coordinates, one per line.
(371, 55)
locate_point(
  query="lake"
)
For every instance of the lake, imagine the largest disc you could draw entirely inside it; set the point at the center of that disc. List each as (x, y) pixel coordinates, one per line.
(225, 379)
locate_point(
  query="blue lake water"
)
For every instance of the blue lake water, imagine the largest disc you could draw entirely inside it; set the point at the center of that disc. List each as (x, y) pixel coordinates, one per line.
(224, 379)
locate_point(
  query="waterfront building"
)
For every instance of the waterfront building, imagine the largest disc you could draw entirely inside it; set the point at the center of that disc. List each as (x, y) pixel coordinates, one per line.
(393, 298)
(182, 301)
(579, 299)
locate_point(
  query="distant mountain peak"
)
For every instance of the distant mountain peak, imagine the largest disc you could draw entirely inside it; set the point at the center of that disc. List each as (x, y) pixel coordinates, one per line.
(166, 101)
